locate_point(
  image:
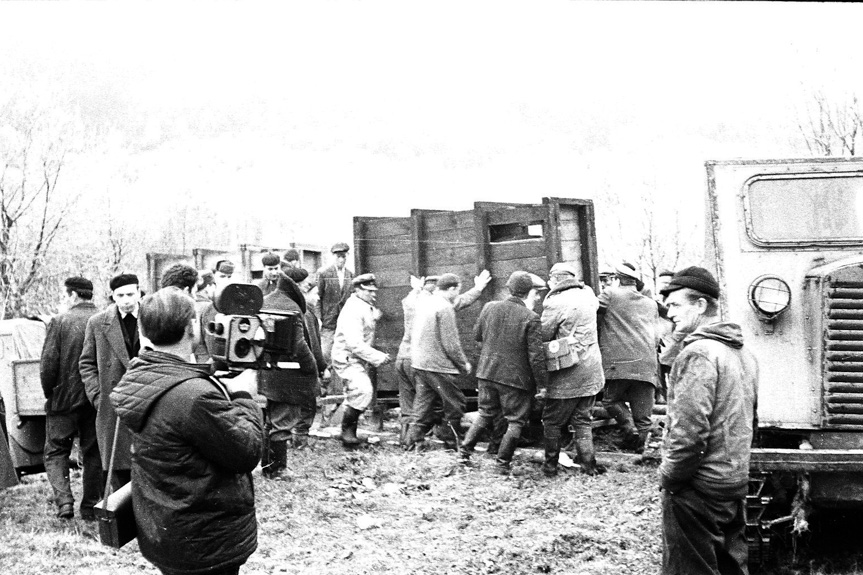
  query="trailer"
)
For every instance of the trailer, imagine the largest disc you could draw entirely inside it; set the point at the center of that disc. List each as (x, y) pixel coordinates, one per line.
(499, 237)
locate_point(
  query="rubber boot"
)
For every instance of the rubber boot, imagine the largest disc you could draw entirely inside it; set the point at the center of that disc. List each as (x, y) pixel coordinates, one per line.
(349, 426)
(278, 459)
(620, 412)
(586, 452)
(552, 454)
(508, 445)
(471, 438)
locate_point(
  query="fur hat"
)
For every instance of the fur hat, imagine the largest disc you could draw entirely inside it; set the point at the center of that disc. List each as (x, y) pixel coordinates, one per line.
(224, 266)
(121, 280)
(696, 278)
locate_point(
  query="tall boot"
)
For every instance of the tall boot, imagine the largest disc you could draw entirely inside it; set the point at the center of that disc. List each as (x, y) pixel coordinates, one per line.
(552, 454)
(586, 452)
(278, 459)
(471, 438)
(404, 432)
(508, 445)
(620, 412)
(350, 419)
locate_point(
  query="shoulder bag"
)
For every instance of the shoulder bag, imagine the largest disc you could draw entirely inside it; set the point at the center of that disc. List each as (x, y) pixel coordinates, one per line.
(561, 353)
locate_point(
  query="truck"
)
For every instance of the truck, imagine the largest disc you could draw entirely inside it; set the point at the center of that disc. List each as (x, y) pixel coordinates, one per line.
(785, 241)
(495, 236)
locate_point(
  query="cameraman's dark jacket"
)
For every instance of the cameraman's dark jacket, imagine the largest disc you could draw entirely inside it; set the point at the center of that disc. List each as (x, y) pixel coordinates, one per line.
(297, 387)
(193, 451)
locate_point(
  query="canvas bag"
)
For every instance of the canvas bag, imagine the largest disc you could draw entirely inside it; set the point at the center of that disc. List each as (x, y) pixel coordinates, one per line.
(561, 353)
(114, 513)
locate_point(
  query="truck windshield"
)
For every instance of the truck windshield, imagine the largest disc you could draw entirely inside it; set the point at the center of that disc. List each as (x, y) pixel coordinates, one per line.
(812, 208)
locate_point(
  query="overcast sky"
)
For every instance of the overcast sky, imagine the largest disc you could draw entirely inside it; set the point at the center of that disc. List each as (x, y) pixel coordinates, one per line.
(336, 109)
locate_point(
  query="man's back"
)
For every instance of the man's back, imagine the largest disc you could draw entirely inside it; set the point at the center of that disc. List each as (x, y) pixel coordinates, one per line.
(511, 340)
(627, 334)
(61, 379)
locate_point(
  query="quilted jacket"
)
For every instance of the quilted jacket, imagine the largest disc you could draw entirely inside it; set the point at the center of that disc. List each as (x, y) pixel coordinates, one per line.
(193, 450)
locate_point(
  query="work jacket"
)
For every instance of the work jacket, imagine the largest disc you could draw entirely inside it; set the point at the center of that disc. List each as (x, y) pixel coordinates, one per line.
(435, 343)
(511, 339)
(58, 368)
(355, 336)
(712, 392)
(627, 335)
(570, 308)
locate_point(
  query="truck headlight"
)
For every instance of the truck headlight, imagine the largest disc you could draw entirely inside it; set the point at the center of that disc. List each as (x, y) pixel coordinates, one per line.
(769, 296)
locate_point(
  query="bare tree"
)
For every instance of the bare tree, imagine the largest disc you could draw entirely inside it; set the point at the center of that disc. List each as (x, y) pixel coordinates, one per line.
(33, 152)
(831, 127)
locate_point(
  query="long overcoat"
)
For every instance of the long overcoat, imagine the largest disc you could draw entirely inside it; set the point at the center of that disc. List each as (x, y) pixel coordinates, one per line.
(103, 362)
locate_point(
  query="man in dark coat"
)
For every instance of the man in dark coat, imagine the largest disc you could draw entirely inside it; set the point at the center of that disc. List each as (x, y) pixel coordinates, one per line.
(290, 393)
(196, 441)
(627, 341)
(704, 474)
(511, 365)
(334, 289)
(68, 412)
(110, 341)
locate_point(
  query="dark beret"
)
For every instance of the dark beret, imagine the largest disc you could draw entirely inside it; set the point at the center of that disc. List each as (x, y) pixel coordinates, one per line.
(447, 281)
(696, 278)
(122, 280)
(78, 283)
(270, 259)
(297, 274)
(292, 255)
(340, 247)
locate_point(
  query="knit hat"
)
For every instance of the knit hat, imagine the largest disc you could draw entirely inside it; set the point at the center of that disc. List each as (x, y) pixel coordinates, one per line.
(121, 280)
(696, 278)
(78, 283)
(270, 259)
(447, 281)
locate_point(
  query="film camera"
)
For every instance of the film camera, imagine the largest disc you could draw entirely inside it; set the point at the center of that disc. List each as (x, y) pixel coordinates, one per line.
(244, 336)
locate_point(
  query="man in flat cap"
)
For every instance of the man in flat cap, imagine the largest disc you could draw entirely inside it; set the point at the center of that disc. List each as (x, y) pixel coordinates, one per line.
(110, 342)
(511, 365)
(67, 411)
(569, 311)
(334, 289)
(422, 288)
(627, 341)
(352, 350)
(437, 360)
(272, 268)
(704, 474)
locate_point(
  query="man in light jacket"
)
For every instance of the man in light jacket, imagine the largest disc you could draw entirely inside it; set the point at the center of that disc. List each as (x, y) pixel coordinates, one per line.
(712, 393)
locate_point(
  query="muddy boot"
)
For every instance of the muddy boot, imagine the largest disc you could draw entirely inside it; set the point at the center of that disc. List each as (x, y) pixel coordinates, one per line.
(452, 438)
(552, 453)
(470, 439)
(300, 441)
(350, 419)
(278, 459)
(620, 412)
(586, 452)
(508, 445)
(404, 432)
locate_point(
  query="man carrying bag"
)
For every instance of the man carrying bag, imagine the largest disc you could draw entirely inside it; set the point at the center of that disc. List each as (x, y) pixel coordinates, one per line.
(195, 442)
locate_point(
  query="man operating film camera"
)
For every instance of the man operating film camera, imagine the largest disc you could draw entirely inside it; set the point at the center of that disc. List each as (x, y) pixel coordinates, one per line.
(268, 334)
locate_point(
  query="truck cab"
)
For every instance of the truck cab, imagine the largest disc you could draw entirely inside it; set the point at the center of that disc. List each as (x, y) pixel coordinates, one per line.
(785, 240)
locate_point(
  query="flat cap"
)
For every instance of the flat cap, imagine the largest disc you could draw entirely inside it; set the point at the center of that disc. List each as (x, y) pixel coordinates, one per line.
(365, 281)
(696, 278)
(563, 268)
(121, 280)
(79, 283)
(447, 281)
(520, 283)
(338, 248)
(626, 270)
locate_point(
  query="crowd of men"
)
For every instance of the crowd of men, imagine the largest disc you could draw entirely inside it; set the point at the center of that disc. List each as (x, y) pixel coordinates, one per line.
(553, 342)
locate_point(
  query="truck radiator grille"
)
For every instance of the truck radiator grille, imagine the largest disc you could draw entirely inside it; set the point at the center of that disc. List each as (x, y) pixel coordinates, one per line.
(843, 369)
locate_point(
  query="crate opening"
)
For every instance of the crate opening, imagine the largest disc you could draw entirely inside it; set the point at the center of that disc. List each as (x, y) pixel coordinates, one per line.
(514, 232)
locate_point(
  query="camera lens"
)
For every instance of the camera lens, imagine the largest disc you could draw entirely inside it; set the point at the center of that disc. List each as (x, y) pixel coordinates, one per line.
(242, 348)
